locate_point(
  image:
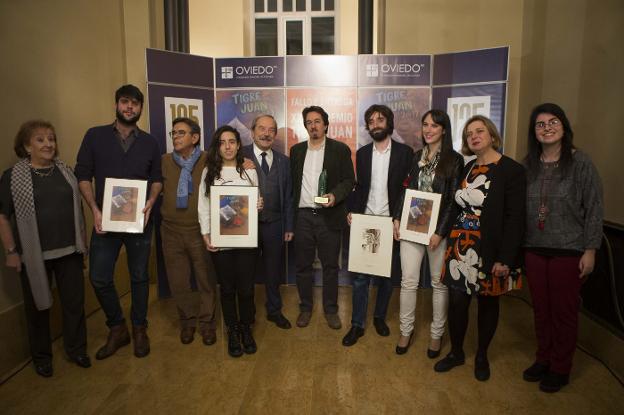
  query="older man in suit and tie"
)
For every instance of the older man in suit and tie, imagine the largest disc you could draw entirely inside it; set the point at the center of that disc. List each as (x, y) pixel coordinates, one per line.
(382, 166)
(319, 163)
(276, 219)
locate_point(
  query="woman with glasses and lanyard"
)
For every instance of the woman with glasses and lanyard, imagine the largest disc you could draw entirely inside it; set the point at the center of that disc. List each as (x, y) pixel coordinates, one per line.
(235, 267)
(564, 230)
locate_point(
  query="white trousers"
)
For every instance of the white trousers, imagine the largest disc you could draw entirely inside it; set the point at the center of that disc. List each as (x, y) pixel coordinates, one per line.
(411, 259)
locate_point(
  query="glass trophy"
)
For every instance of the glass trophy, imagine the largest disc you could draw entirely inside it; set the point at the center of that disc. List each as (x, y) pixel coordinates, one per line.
(322, 189)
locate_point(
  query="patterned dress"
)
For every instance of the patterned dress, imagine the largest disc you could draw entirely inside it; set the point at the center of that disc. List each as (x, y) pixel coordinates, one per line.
(463, 265)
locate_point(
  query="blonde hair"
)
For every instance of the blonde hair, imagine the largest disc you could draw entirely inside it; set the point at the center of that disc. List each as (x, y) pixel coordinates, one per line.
(489, 125)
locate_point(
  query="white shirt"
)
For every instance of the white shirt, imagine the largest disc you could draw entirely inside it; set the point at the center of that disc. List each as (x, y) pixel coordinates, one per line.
(378, 203)
(229, 177)
(258, 153)
(312, 168)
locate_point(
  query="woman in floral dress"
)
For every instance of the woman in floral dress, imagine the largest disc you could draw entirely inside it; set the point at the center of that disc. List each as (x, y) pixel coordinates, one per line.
(484, 246)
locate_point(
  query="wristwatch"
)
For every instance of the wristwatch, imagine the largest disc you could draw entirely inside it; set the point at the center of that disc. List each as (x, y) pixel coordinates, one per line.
(10, 251)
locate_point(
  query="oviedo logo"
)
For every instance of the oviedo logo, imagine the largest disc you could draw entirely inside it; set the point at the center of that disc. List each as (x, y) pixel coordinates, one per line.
(227, 72)
(394, 69)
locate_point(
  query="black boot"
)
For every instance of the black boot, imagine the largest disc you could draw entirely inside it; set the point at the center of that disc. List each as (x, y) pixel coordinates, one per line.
(249, 344)
(234, 344)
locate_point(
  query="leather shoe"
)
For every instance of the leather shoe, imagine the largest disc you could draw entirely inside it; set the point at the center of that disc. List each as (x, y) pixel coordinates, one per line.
(333, 321)
(280, 320)
(44, 369)
(535, 373)
(118, 336)
(381, 327)
(432, 354)
(141, 341)
(187, 334)
(209, 336)
(449, 362)
(403, 350)
(304, 318)
(82, 360)
(352, 336)
(249, 344)
(482, 369)
(553, 382)
(234, 344)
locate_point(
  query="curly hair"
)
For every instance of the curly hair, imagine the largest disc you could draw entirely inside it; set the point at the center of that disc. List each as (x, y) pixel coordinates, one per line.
(214, 162)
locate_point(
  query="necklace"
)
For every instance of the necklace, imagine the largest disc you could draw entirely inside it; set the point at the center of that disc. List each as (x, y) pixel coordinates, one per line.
(548, 170)
(46, 172)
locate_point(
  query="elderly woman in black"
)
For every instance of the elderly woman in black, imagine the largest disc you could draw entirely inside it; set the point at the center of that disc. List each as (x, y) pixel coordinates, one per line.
(43, 233)
(484, 247)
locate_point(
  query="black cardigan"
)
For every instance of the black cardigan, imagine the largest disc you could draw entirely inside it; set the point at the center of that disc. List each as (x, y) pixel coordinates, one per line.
(503, 215)
(445, 185)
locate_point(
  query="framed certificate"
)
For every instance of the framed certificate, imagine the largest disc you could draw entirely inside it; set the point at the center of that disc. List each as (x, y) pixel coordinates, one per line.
(419, 216)
(124, 201)
(370, 245)
(234, 216)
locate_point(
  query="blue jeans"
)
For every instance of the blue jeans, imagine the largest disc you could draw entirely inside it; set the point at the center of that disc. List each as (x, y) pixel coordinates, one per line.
(360, 298)
(103, 256)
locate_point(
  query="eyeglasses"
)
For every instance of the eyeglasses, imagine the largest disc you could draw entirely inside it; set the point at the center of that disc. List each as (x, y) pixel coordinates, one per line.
(313, 122)
(540, 125)
(177, 133)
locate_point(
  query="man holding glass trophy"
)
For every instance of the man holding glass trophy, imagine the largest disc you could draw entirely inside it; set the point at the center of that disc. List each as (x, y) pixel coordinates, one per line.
(323, 177)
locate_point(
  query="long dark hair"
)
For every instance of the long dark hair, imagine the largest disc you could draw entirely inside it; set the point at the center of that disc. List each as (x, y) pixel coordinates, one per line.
(447, 158)
(214, 162)
(532, 159)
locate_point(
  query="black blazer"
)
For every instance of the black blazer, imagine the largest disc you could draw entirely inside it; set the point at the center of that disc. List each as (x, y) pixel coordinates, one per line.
(445, 185)
(340, 178)
(282, 164)
(400, 160)
(503, 215)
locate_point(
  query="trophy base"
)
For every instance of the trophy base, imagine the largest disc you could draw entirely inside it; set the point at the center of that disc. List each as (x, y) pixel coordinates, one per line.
(321, 200)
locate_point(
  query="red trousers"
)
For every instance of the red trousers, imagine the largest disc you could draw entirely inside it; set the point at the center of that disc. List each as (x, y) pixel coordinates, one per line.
(555, 289)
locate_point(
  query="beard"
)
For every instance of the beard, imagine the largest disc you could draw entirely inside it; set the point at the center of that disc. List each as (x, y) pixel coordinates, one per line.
(122, 119)
(378, 134)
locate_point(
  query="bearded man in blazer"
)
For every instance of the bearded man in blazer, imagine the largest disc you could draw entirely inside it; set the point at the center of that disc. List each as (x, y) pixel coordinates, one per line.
(318, 226)
(382, 166)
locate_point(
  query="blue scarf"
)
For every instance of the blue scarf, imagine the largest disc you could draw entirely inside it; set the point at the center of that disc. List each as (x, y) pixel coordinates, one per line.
(185, 183)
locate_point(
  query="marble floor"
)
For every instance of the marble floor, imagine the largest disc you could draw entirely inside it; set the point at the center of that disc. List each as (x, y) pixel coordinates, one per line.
(308, 371)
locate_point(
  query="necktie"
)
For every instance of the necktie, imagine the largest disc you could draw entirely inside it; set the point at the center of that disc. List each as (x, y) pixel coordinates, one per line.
(264, 165)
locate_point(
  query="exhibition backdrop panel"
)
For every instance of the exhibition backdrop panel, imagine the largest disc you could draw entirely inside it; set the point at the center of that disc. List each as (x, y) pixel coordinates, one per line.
(319, 71)
(239, 107)
(485, 65)
(180, 101)
(462, 102)
(239, 89)
(408, 105)
(178, 85)
(394, 70)
(339, 103)
(175, 68)
(257, 72)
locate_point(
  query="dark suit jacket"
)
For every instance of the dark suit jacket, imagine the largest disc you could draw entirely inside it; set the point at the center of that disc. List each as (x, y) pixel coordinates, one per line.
(340, 178)
(400, 161)
(282, 164)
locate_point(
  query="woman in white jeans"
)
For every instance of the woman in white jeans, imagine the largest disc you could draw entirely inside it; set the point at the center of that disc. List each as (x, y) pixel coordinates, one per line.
(436, 168)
